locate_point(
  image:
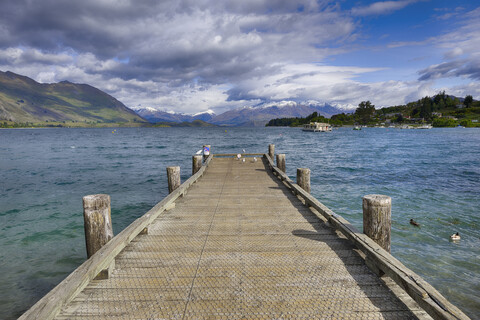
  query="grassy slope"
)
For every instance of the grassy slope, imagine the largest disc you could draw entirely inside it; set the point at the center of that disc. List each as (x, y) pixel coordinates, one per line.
(24, 100)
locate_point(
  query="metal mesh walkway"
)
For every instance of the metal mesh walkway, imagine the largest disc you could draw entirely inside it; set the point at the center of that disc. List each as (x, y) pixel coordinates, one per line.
(238, 245)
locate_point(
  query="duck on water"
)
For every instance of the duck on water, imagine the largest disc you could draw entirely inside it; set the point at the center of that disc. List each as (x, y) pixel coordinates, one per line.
(415, 223)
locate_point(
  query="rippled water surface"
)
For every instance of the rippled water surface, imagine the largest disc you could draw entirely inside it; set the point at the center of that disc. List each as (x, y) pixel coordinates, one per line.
(432, 176)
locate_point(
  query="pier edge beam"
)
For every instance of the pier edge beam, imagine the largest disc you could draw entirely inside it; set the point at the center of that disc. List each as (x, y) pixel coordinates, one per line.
(173, 176)
(281, 162)
(377, 219)
(303, 178)
(196, 163)
(271, 151)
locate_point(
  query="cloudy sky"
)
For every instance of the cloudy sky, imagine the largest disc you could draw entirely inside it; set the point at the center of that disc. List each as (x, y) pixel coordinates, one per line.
(192, 55)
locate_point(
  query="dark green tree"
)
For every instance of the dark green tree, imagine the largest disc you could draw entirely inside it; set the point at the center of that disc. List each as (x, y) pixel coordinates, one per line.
(312, 116)
(441, 96)
(342, 118)
(426, 108)
(468, 101)
(365, 111)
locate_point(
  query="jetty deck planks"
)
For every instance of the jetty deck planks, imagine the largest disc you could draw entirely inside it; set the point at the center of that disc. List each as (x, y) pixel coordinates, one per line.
(239, 244)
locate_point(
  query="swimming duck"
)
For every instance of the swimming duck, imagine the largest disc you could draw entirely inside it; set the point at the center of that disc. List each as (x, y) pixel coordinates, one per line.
(455, 236)
(413, 222)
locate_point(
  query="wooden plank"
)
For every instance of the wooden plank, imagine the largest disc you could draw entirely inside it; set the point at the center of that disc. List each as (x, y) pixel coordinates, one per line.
(65, 291)
(423, 293)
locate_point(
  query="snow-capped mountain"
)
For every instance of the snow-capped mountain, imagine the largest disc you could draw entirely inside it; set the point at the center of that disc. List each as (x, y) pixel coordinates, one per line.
(261, 114)
(154, 115)
(204, 116)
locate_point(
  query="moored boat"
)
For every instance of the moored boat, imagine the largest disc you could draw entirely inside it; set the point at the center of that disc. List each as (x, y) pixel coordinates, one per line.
(425, 126)
(317, 127)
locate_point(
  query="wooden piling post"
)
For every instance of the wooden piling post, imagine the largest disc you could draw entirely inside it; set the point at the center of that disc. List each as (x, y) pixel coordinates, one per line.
(377, 220)
(196, 163)
(281, 162)
(173, 175)
(98, 222)
(303, 178)
(271, 151)
(206, 151)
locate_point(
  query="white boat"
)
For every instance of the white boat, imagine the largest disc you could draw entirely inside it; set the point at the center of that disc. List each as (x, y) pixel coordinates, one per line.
(317, 127)
(425, 126)
(357, 128)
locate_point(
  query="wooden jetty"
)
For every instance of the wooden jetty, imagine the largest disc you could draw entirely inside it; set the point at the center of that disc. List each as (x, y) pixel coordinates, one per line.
(241, 240)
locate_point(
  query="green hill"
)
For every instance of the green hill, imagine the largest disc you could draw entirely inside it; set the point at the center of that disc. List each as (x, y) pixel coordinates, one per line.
(24, 101)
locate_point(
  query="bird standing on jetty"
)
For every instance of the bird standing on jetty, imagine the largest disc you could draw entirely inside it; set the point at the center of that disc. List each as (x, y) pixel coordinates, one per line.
(413, 222)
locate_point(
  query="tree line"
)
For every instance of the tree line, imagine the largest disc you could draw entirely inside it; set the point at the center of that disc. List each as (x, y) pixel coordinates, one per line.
(295, 122)
(441, 110)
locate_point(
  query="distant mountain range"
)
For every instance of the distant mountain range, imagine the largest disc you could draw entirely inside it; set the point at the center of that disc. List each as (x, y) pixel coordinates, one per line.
(154, 116)
(260, 115)
(24, 100)
(245, 116)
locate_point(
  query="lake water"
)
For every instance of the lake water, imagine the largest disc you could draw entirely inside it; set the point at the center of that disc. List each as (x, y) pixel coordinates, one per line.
(433, 176)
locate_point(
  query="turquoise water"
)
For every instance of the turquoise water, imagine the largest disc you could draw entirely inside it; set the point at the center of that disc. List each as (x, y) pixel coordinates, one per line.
(432, 176)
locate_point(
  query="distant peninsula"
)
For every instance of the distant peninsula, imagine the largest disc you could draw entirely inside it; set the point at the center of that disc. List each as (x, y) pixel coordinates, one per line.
(441, 110)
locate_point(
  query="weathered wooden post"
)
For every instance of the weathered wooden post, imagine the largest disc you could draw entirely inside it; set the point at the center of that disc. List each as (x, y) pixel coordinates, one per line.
(206, 151)
(281, 162)
(377, 219)
(196, 163)
(303, 178)
(98, 222)
(271, 151)
(173, 175)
